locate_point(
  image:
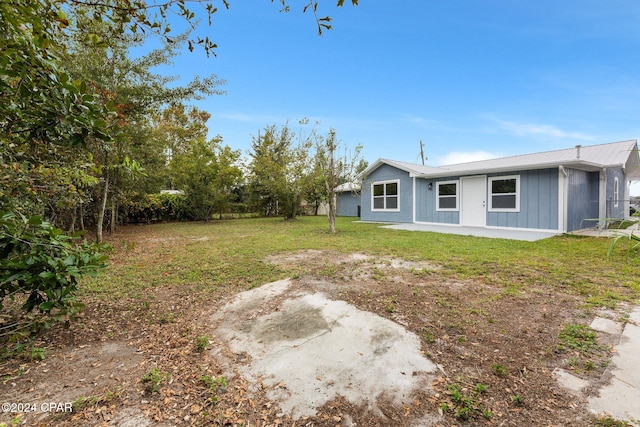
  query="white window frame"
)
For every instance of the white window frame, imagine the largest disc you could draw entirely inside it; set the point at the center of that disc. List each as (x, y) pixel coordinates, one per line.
(457, 196)
(384, 196)
(517, 193)
(616, 191)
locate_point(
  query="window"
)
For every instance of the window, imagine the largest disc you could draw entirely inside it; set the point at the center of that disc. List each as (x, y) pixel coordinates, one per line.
(447, 196)
(504, 194)
(385, 196)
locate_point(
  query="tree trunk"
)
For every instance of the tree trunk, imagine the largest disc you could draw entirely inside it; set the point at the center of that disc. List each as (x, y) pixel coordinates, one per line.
(332, 211)
(332, 180)
(74, 216)
(102, 208)
(81, 216)
(114, 214)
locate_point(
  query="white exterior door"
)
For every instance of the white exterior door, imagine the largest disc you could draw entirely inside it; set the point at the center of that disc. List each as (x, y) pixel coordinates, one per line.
(473, 208)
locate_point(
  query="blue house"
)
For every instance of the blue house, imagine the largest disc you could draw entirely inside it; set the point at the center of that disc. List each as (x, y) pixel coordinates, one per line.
(560, 191)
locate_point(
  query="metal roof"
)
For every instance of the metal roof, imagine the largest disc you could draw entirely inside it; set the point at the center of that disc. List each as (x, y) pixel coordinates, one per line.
(591, 157)
(413, 169)
(347, 187)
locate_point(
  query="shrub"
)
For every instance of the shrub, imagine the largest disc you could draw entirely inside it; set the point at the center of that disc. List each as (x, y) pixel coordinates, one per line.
(147, 208)
(174, 207)
(41, 265)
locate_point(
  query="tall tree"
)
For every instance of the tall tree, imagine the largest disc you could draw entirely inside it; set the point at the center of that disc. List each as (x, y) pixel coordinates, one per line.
(336, 170)
(139, 16)
(279, 171)
(175, 129)
(135, 92)
(46, 117)
(208, 173)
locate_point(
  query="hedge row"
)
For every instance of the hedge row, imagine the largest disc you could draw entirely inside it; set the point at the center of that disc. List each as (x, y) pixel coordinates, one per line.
(164, 207)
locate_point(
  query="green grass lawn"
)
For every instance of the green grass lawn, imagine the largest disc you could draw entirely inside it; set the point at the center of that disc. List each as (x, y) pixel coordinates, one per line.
(231, 253)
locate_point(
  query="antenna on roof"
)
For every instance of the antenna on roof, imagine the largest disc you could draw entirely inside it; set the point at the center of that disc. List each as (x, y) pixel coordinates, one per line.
(422, 152)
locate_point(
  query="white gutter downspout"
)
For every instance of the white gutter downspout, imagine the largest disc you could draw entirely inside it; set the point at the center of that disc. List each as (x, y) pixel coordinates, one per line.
(626, 200)
(563, 195)
(414, 199)
(602, 211)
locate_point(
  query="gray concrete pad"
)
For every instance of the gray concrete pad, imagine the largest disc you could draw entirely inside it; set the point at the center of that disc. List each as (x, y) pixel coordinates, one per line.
(492, 233)
(604, 232)
(570, 381)
(308, 350)
(607, 326)
(621, 397)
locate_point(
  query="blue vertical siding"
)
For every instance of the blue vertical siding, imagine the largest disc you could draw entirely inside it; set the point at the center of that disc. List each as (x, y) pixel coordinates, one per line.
(538, 202)
(426, 203)
(347, 203)
(388, 173)
(583, 195)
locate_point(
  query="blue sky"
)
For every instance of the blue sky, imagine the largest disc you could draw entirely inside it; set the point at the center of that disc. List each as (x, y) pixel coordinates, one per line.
(472, 79)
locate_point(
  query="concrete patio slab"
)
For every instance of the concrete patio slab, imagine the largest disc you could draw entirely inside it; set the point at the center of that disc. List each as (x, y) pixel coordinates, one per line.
(308, 350)
(492, 233)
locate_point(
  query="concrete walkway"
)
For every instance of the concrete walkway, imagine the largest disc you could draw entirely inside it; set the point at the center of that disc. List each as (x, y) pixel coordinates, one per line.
(493, 233)
(621, 397)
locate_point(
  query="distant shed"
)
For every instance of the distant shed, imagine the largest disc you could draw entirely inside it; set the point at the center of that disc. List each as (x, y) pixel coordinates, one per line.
(348, 199)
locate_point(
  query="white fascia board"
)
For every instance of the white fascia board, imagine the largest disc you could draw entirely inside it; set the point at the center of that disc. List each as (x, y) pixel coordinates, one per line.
(589, 166)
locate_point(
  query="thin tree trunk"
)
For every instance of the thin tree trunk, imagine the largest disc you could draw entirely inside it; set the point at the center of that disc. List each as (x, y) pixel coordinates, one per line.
(332, 210)
(332, 185)
(74, 216)
(114, 214)
(103, 207)
(81, 216)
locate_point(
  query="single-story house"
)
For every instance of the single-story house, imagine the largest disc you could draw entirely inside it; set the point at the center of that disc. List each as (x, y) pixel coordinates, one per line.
(560, 191)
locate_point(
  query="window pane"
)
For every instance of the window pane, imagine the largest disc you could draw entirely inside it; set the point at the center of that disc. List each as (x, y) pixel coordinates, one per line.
(392, 189)
(503, 186)
(378, 190)
(392, 202)
(378, 203)
(447, 189)
(503, 202)
(447, 202)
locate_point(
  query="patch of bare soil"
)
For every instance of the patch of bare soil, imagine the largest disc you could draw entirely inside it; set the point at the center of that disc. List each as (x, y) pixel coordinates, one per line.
(496, 350)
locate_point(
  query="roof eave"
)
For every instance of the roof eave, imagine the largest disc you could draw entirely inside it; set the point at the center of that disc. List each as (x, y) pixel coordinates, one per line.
(577, 164)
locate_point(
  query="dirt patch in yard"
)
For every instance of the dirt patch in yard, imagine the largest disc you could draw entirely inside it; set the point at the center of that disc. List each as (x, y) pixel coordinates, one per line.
(496, 349)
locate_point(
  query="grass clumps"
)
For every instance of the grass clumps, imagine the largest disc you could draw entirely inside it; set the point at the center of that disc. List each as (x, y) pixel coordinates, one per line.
(153, 378)
(215, 385)
(466, 403)
(580, 338)
(582, 343)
